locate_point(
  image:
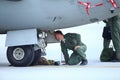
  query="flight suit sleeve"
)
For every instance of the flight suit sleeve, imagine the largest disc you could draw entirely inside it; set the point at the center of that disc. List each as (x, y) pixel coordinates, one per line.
(65, 53)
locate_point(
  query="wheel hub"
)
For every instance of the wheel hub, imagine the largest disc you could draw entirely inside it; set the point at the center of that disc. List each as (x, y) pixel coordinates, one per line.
(18, 53)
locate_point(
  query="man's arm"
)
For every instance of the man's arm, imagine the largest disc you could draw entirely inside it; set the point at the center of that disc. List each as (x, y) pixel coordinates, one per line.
(65, 53)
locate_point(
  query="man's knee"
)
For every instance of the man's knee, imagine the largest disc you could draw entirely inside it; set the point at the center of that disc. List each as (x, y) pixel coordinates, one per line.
(81, 49)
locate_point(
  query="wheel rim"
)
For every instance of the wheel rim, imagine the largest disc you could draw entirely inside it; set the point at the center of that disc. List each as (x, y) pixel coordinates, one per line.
(18, 53)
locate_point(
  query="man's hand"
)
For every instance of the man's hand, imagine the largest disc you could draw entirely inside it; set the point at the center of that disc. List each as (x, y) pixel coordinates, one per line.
(76, 47)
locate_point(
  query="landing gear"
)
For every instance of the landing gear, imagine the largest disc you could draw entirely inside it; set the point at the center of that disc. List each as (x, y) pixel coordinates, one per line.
(20, 55)
(25, 49)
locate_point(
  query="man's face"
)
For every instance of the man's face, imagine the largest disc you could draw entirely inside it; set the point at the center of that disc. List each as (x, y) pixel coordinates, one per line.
(58, 37)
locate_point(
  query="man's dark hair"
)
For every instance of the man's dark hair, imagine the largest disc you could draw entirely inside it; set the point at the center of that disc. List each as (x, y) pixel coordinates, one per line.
(58, 32)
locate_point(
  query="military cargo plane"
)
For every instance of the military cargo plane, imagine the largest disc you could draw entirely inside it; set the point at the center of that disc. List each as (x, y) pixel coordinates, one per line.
(29, 24)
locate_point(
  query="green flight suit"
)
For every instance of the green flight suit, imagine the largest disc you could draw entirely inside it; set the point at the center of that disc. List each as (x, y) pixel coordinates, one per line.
(70, 41)
(115, 33)
(107, 52)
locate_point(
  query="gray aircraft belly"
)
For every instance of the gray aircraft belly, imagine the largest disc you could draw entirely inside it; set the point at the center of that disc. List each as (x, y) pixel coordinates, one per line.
(36, 13)
(49, 14)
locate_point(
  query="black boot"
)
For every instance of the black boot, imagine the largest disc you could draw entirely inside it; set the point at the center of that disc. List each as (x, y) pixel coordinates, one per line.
(84, 62)
(57, 63)
(115, 60)
(114, 57)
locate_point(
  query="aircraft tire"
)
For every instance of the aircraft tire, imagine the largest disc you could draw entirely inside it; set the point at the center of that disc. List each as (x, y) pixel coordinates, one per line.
(37, 56)
(20, 55)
